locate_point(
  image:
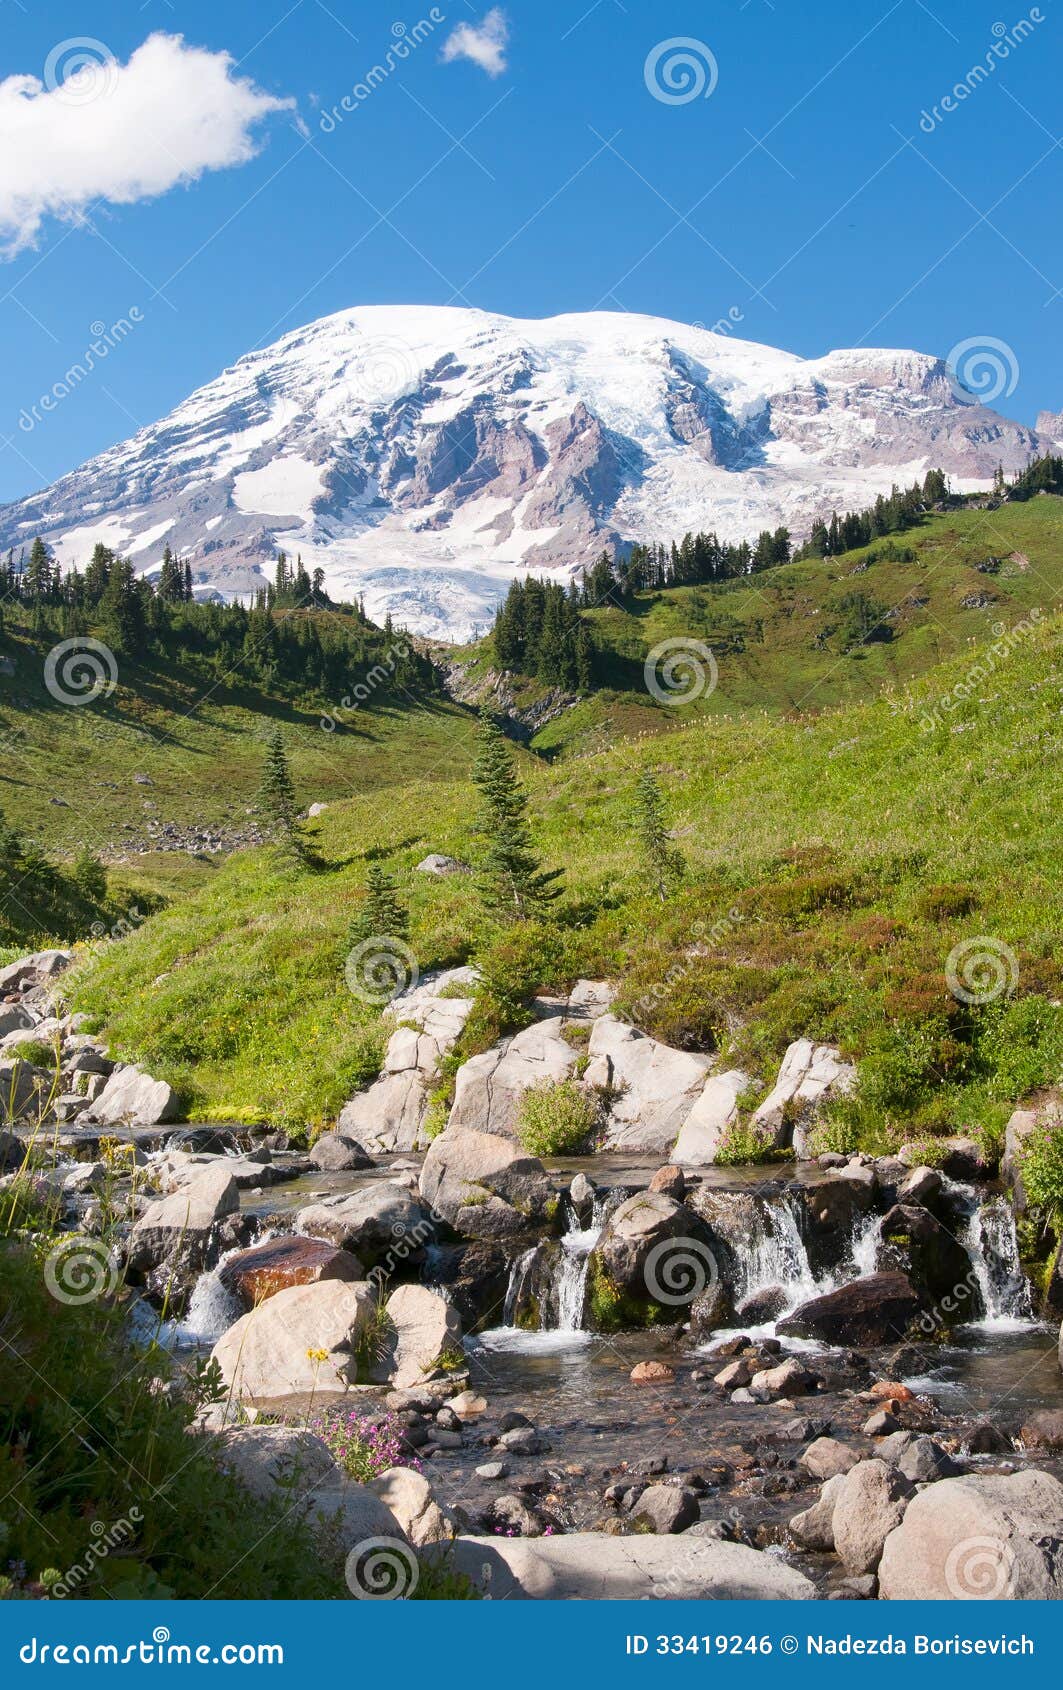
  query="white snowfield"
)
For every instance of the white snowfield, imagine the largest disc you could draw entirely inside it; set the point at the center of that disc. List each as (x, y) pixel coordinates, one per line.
(422, 456)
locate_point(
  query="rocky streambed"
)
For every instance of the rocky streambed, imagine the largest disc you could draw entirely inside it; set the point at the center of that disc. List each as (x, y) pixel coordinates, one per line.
(632, 1373)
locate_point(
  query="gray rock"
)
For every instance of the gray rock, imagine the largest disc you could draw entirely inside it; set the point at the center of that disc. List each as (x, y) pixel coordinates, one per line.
(827, 1456)
(978, 1539)
(653, 1088)
(522, 1440)
(656, 1252)
(410, 1497)
(917, 1456)
(809, 1075)
(133, 1096)
(493, 1470)
(488, 1088)
(425, 1336)
(485, 1186)
(713, 1113)
(442, 866)
(310, 1338)
(334, 1152)
(590, 1566)
(871, 1500)
(379, 1216)
(869, 1311)
(813, 1528)
(268, 1460)
(666, 1508)
(175, 1235)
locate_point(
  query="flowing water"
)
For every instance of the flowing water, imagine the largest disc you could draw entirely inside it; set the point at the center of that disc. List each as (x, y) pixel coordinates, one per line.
(992, 1243)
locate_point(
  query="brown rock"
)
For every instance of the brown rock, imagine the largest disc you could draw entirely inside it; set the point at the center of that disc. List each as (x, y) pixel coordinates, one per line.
(652, 1373)
(671, 1180)
(890, 1390)
(1044, 1429)
(256, 1274)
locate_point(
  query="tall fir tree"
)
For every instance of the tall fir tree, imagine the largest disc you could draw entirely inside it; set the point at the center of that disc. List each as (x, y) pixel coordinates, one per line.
(511, 880)
(663, 862)
(276, 796)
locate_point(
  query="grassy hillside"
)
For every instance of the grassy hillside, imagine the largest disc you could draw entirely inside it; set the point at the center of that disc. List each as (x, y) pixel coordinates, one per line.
(834, 861)
(68, 774)
(783, 638)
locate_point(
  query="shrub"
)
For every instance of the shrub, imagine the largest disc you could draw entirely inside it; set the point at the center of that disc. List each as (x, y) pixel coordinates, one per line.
(1041, 1166)
(556, 1118)
(743, 1143)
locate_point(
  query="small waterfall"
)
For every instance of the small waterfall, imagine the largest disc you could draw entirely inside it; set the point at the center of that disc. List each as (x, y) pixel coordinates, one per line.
(992, 1243)
(212, 1309)
(769, 1249)
(576, 1247)
(519, 1271)
(562, 1283)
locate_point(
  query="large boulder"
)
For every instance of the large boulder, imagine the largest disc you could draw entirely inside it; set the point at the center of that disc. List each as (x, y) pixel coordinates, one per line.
(870, 1501)
(33, 970)
(653, 1258)
(978, 1539)
(485, 1186)
(174, 1238)
(312, 1338)
(652, 1088)
(488, 1089)
(276, 1460)
(706, 1127)
(869, 1311)
(932, 1257)
(809, 1075)
(410, 1497)
(590, 1566)
(430, 1017)
(379, 1218)
(253, 1275)
(336, 1153)
(423, 1340)
(132, 1096)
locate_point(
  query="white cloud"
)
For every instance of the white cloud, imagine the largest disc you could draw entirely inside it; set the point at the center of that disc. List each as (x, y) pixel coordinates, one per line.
(485, 43)
(97, 130)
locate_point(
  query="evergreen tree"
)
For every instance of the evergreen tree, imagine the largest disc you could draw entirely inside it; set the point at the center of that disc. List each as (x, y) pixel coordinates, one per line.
(511, 880)
(276, 796)
(664, 863)
(90, 876)
(382, 915)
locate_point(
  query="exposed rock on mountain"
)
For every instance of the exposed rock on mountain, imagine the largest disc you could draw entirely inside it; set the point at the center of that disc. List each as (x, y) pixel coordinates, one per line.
(423, 455)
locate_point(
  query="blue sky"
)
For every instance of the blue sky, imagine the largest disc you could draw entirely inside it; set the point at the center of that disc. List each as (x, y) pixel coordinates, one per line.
(530, 168)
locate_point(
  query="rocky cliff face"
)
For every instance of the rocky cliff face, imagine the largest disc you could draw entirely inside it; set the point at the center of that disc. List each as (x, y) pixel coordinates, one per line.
(422, 456)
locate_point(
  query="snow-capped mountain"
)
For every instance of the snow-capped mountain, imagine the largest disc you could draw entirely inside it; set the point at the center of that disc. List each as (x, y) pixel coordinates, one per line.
(423, 455)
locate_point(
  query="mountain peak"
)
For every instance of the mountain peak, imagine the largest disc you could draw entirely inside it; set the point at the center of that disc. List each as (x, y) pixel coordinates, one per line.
(421, 455)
